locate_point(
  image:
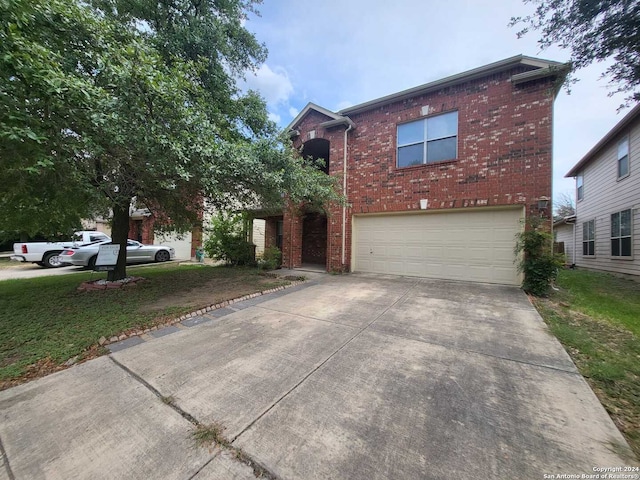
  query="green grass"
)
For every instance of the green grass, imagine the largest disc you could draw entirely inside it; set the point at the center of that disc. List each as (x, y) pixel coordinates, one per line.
(47, 318)
(603, 296)
(596, 316)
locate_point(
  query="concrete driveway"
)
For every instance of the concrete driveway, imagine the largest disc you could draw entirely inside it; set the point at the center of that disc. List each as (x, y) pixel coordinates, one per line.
(21, 270)
(346, 377)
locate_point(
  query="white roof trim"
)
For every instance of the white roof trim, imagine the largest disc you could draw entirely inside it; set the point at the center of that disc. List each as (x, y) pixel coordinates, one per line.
(305, 110)
(550, 68)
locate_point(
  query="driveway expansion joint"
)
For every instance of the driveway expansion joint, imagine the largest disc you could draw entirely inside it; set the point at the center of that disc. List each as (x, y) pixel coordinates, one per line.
(5, 461)
(315, 369)
(238, 454)
(489, 355)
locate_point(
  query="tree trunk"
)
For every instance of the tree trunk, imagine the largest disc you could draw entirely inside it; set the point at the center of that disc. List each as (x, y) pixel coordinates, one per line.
(119, 234)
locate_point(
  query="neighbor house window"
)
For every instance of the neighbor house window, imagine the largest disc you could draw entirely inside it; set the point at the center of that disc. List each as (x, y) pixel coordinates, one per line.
(621, 234)
(429, 140)
(580, 187)
(589, 238)
(623, 158)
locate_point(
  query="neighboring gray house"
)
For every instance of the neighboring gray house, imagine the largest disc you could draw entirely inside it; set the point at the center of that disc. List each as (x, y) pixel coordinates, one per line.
(607, 235)
(564, 231)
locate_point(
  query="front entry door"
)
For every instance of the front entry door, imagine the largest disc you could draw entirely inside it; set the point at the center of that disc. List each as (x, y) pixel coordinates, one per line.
(314, 239)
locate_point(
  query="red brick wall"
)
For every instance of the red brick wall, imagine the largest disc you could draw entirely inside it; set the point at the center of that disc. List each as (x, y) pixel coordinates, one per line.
(504, 153)
(196, 239)
(292, 239)
(147, 232)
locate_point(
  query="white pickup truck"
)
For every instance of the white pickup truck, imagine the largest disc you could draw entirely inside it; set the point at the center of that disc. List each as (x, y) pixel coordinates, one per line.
(46, 254)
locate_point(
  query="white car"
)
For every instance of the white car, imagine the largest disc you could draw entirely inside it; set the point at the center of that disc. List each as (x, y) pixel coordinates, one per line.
(136, 253)
(47, 254)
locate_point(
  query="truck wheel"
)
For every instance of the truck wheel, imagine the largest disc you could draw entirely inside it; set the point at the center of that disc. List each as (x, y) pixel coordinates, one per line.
(51, 260)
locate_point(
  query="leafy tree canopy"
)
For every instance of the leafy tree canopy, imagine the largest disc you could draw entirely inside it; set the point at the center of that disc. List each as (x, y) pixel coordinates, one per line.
(114, 100)
(593, 30)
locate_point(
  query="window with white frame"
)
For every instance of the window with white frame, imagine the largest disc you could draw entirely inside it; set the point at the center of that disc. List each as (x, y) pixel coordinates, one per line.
(621, 234)
(428, 140)
(589, 238)
(580, 187)
(623, 158)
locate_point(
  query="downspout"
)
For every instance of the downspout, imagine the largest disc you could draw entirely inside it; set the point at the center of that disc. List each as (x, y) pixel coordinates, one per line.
(344, 192)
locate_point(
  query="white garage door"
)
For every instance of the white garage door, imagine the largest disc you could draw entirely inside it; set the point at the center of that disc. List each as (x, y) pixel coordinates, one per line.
(180, 243)
(472, 245)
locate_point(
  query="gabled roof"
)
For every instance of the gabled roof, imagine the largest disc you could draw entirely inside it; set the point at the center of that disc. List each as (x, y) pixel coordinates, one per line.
(539, 69)
(312, 106)
(621, 125)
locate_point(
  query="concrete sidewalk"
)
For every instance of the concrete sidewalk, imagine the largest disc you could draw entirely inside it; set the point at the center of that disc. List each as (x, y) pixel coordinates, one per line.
(358, 377)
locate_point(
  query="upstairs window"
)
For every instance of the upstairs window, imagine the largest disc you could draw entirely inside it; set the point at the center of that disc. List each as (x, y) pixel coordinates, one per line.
(588, 238)
(621, 234)
(428, 140)
(623, 158)
(580, 187)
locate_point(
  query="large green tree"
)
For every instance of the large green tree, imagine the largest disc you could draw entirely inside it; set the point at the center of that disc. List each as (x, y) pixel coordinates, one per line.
(593, 30)
(123, 100)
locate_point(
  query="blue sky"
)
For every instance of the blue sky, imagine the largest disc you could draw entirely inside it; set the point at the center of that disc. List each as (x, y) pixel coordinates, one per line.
(338, 53)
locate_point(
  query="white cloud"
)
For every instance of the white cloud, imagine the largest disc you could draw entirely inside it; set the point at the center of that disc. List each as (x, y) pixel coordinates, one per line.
(274, 85)
(293, 111)
(274, 117)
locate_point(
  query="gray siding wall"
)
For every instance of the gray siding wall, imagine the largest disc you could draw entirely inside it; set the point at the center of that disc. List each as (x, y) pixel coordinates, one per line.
(564, 233)
(604, 194)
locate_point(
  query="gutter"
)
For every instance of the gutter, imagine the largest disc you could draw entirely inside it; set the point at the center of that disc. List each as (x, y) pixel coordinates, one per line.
(480, 72)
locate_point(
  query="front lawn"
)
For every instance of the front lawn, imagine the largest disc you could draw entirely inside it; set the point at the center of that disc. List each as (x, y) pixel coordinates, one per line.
(46, 321)
(596, 317)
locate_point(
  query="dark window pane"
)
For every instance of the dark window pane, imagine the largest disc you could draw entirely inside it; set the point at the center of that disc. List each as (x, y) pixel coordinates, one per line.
(411, 133)
(411, 155)
(623, 166)
(615, 225)
(442, 149)
(580, 192)
(592, 229)
(585, 231)
(442, 126)
(626, 246)
(625, 223)
(588, 248)
(615, 247)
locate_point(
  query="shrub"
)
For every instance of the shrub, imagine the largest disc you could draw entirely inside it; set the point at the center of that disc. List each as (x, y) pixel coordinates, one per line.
(537, 261)
(271, 258)
(227, 240)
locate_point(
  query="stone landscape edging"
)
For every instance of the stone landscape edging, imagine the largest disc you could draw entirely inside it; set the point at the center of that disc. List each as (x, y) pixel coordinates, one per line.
(214, 306)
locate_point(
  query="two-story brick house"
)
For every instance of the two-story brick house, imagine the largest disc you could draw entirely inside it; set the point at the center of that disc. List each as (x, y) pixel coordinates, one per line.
(607, 224)
(438, 178)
